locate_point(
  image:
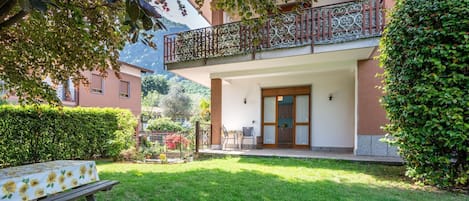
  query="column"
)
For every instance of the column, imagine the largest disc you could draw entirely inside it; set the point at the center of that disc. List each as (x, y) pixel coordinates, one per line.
(216, 104)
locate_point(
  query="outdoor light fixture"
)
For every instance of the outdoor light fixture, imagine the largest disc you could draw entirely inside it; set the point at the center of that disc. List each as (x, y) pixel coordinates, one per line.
(330, 97)
(244, 100)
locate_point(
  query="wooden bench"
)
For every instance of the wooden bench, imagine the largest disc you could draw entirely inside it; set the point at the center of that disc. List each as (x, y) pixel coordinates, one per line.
(87, 191)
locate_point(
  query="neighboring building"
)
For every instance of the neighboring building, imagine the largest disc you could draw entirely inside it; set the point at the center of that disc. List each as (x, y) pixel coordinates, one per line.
(310, 83)
(107, 91)
(111, 91)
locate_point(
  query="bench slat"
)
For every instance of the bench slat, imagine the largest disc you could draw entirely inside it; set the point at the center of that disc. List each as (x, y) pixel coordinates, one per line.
(83, 191)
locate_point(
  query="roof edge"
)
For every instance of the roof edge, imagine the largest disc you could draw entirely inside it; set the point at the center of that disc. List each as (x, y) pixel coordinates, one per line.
(142, 69)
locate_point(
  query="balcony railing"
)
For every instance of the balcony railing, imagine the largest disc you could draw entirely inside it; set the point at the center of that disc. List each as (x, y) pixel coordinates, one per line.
(319, 25)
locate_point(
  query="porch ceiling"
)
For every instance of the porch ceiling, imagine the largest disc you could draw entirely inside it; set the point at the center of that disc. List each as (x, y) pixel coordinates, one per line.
(310, 63)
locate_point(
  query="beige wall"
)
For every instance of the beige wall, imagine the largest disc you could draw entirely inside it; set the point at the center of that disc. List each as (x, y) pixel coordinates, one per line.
(110, 96)
(214, 17)
(219, 17)
(327, 2)
(371, 115)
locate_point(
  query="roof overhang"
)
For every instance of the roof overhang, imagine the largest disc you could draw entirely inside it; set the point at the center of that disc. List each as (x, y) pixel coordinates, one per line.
(141, 69)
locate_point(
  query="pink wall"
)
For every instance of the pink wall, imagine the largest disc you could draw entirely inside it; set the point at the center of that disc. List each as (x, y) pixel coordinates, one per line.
(371, 115)
(110, 96)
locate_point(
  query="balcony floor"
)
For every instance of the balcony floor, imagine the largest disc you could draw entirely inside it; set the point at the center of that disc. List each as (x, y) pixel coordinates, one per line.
(295, 153)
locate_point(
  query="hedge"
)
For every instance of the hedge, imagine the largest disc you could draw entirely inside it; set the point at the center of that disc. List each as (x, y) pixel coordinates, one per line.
(425, 56)
(164, 124)
(41, 133)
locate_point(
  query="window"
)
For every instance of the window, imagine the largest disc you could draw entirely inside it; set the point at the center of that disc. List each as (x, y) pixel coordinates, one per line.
(124, 89)
(66, 91)
(97, 83)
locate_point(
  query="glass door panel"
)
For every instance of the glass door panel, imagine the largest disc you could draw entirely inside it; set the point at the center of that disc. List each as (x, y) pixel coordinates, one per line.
(302, 120)
(269, 109)
(269, 134)
(270, 119)
(301, 135)
(302, 109)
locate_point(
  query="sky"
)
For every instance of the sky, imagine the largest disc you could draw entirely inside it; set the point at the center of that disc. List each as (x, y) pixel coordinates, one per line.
(193, 20)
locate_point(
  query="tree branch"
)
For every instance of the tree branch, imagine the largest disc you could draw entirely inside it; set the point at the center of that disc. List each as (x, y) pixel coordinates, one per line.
(5, 8)
(13, 20)
(3, 2)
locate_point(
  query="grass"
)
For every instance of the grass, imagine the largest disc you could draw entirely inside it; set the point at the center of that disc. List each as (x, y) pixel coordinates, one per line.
(250, 178)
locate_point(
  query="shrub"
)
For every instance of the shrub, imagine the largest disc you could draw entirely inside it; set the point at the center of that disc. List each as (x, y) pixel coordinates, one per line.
(164, 124)
(425, 56)
(41, 133)
(3, 101)
(175, 141)
(128, 154)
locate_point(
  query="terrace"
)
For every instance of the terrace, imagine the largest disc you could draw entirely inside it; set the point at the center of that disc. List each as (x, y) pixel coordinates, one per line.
(307, 31)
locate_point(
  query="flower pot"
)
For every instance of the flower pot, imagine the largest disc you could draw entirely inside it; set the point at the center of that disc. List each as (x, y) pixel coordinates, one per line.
(260, 142)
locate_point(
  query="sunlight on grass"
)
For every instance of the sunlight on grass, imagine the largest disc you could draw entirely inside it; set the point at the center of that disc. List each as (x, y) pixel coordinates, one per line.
(250, 178)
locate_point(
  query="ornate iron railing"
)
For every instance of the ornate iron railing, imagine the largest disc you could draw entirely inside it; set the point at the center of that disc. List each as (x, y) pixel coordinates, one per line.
(319, 25)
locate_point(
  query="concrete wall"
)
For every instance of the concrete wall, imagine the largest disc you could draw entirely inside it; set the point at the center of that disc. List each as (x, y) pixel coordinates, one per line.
(332, 122)
(110, 96)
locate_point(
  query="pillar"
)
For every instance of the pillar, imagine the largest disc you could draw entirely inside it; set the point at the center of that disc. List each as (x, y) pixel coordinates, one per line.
(216, 104)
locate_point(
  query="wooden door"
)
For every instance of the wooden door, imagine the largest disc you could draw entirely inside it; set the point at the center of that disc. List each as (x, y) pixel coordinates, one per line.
(286, 117)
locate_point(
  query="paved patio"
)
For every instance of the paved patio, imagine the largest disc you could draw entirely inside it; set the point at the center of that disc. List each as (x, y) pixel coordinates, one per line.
(294, 153)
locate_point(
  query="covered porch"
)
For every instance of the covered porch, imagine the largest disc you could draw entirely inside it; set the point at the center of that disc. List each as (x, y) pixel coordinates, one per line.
(305, 154)
(317, 95)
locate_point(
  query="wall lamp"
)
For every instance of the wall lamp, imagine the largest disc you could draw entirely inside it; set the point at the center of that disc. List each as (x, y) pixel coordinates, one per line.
(330, 97)
(244, 100)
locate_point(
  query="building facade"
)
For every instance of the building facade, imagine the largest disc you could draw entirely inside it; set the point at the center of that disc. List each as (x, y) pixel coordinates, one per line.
(110, 91)
(309, 82)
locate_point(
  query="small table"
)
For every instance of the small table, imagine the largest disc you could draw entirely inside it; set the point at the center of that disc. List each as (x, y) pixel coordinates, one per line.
(37, 180)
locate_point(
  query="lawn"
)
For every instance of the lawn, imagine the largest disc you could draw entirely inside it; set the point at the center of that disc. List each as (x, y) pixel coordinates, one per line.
(251, 178)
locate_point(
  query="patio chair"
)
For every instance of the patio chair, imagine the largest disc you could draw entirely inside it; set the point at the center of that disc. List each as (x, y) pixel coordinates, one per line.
(248, 133)
(227, 137)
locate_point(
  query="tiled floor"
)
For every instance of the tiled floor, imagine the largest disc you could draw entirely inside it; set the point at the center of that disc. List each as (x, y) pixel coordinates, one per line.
(294, 153)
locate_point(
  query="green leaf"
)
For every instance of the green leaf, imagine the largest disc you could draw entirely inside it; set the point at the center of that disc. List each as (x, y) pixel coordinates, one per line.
(146, 22)
(133, 10)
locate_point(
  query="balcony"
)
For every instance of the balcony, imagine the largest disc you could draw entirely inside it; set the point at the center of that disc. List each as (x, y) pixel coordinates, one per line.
(331, 24)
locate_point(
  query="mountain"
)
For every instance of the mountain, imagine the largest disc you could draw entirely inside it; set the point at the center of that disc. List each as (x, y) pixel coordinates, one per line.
(144, 56)
(141, 55)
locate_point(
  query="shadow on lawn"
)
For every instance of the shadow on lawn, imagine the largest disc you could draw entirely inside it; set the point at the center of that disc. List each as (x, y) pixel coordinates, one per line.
(379, 171)
(243, 185)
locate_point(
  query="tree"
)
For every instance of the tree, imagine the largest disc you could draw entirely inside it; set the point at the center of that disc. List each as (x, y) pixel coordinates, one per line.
(204, 107)
(176, 104)
(156, 83)
(195, 88)
(152, 99)
(425, 56)
(59, 39)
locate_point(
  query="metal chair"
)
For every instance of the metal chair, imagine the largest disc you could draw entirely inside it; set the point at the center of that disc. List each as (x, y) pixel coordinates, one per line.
(248, 133)
(227, 137)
